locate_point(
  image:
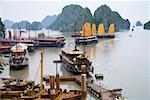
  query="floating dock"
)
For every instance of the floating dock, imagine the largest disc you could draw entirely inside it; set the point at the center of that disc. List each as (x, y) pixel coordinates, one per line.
(95, 89)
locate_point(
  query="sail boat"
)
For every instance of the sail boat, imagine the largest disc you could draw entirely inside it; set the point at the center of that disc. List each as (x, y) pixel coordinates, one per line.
(87, 36)
(111, 31)
(101, 31)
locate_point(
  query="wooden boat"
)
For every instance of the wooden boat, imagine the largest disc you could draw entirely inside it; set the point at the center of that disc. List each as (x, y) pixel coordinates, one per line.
(16, 84)
(102, 34)
(76, 34)
(5, 49)
(19, 56)
(87, 36)
(76, 62)
(44, 41)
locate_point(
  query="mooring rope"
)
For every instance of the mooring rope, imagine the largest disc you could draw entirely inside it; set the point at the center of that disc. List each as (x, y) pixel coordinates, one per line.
(37, 72)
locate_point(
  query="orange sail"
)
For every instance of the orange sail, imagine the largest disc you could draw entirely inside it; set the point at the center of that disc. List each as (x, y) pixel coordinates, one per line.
(86, 29)
(101, 29)
(93, 29)
(111, 29)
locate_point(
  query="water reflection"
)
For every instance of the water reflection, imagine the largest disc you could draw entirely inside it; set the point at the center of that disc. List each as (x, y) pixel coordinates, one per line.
(20, 74)
(89, 49)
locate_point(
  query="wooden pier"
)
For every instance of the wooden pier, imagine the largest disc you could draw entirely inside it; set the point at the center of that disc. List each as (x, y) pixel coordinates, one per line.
(95, 89)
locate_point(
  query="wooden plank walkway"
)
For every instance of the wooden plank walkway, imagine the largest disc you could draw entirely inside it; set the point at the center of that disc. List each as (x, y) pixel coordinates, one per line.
(97, 90)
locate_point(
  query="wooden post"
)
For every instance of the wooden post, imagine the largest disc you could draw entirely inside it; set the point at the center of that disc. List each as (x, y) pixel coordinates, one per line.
(57, 78)
(52, 82)
(41, 78)
(83, 86)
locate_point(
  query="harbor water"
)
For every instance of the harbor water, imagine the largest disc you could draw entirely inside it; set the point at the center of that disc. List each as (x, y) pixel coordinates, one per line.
(124, 62)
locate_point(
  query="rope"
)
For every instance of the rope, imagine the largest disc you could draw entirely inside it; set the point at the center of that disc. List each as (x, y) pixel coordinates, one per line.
(37, 72)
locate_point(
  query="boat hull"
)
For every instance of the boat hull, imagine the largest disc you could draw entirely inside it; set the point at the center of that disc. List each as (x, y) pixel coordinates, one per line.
(51, 44)
(86, 40)
(17, 66)
(105, 36)
(70, 67)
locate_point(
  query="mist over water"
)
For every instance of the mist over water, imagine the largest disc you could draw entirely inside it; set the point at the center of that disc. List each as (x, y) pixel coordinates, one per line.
(124, 62)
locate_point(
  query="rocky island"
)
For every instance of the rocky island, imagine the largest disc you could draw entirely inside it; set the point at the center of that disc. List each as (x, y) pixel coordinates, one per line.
(138, 23)
(147, 25)
(74, 15)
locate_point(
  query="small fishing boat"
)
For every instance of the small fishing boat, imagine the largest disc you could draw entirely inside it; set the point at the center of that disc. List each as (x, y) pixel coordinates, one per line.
(102, 34)
(19, 56)
(45, 41)
(87, 36)
(76, 62)
(16, 84)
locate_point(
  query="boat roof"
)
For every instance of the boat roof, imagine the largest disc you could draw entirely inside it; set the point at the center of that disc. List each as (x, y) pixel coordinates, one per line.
(19, 45)
(76, 52)
(17, 50)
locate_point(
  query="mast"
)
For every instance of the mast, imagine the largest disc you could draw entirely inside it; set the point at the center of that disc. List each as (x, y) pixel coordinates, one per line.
(84, 38)
(75, 36)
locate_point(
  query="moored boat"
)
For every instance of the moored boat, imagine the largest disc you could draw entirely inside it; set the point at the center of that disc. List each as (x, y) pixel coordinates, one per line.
(102, 34)
(19, 56)
(87, 36)
(76, 62)
(43, 41)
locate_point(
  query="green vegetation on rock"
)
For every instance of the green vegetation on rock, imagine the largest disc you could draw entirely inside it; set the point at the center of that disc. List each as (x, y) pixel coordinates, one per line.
(147, 25)
(74, 16)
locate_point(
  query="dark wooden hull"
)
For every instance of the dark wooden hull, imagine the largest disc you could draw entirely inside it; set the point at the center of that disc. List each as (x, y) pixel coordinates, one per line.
(51, 44)
(86, 40)
(17, 66)
(68, 66)
(105, 36)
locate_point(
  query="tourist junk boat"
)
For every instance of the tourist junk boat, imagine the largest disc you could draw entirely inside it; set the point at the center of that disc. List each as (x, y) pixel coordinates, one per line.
(19, 56)
(43, 41)
(87, 36)
(76, 62)
(102, 34)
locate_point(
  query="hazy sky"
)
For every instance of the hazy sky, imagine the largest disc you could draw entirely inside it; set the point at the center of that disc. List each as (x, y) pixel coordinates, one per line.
(36, 10)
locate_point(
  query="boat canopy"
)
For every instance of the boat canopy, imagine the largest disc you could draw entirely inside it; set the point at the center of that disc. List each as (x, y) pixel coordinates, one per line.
(93, 29)
(17, 50)
(86, 29)
(76, 52)
(111, 29)
(20, 46)
(101, 29)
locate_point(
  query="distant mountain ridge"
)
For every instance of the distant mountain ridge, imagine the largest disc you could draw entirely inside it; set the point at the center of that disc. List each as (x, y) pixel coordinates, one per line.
(35, 25)
(48, 20)
(8, 23)
(74, 16)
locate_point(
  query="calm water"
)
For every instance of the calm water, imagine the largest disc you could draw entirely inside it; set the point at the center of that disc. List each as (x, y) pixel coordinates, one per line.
(124, 61)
